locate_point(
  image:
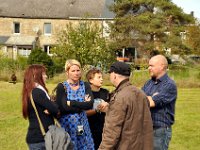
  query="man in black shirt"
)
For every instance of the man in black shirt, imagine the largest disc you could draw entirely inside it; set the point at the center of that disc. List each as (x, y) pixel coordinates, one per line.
(95, 116)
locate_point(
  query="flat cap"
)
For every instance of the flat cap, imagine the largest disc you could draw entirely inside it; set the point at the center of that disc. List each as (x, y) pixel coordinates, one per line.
(120, 68)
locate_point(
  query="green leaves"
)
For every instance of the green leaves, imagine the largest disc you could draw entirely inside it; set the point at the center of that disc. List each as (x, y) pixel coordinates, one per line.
(142, 24)
(84, 42)
(38, 56)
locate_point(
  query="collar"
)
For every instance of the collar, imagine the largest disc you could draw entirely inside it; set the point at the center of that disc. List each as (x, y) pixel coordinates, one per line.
(42, 88)
(121, 85)
(164, 77)
(123, 82)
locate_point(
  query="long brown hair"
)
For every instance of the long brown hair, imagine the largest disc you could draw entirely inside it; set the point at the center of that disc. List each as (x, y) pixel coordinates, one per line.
(32, 75)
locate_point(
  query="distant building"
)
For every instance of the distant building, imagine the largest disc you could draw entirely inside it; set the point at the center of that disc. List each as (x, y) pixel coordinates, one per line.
(24, 23)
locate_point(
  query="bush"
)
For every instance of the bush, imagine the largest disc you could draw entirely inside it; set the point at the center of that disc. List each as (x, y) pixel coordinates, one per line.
(38, 56)
(9, 66)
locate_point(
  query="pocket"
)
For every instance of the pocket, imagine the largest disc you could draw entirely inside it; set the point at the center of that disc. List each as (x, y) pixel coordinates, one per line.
(162, 137)
(168, 136)
(159, 132)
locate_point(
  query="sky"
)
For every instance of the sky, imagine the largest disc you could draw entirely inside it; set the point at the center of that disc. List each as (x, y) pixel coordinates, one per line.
(189, 5)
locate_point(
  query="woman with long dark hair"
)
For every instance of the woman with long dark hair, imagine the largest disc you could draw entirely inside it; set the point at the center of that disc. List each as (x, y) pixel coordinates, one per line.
(34, 84)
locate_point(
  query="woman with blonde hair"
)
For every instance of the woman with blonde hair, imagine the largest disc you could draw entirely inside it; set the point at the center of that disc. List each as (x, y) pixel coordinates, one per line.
(34, 85)
(73, 97)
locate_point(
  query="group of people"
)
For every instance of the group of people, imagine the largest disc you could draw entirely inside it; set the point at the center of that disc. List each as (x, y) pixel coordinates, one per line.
(127, 118)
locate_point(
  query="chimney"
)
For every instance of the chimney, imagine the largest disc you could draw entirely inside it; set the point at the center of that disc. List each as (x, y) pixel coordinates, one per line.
(192, 13)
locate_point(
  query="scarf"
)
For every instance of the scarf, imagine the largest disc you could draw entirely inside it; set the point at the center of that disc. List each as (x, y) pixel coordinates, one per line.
(41, 87)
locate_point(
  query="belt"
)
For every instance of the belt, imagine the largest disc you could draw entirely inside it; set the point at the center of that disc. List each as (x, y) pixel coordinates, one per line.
(155, 128)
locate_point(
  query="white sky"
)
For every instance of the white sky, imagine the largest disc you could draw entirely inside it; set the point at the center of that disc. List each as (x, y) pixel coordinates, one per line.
(189, 5)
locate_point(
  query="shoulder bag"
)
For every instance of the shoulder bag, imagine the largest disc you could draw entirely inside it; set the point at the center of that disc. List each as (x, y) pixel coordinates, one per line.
(56, 137)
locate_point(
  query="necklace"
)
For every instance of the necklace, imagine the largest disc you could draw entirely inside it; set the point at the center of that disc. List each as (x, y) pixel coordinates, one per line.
(74, 84)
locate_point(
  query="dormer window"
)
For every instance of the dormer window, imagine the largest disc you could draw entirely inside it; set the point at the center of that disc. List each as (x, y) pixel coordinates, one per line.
(47, 28)
(16, 27)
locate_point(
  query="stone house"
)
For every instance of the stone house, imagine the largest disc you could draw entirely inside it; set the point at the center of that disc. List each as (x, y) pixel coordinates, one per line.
(23, 22)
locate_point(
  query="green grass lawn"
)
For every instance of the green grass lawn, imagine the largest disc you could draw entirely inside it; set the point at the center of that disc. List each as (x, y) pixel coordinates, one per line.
(13, 128)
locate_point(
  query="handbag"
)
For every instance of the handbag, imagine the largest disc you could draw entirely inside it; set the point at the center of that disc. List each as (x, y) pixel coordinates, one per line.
(56, 137)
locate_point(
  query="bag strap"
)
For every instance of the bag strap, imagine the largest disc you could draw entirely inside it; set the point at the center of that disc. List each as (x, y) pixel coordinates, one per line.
(39, 120)
(56, 122)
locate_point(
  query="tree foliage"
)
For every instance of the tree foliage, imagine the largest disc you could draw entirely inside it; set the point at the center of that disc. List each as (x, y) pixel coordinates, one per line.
(193, 38)
(149, 24)
(37, 56)
(85, 43)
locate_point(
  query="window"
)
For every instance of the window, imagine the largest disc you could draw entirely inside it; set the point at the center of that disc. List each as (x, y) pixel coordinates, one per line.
(126, 54)
(24, 50)
(47, 49)
(183, 35)
(16, 27)
(47, 28)
(106, 28)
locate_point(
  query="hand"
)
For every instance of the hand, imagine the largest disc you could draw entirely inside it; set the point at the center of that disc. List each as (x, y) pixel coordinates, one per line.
(103, 107)
(68, 103)
(46, 112)
(87, 98)
(52, 98)
(151, 102)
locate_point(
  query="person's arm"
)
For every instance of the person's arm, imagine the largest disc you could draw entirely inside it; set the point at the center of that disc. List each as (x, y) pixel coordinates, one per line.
(115, 118)
(62, 103)
(151, 102)
(165, 96)
(41, 99)
(91, 112)
(86, 104)
(103, 106)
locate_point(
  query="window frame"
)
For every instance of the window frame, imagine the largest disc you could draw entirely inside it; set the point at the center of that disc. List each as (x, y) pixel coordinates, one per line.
(47, 23)
(47, 49)
(15, 28)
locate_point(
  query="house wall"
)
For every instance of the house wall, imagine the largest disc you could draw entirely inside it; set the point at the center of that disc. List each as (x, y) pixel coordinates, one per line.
(30, 27)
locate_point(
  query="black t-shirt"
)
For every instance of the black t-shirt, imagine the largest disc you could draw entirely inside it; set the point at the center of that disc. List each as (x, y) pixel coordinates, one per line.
(97, 121)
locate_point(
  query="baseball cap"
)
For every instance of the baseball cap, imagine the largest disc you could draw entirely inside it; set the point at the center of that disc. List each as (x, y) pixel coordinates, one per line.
(120, 68)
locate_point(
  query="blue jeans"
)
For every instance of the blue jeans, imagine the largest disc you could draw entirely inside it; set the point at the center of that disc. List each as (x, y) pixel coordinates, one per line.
(37, 146)
(162, 137)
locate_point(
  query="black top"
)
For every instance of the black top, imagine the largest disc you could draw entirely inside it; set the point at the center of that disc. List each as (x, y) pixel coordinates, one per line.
(97, 121)
(75, 107)
(42, 103)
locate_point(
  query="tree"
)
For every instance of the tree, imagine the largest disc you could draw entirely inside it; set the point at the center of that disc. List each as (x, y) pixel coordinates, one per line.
(85, 43)
(37, 56)
(193, 38)
(149, 25)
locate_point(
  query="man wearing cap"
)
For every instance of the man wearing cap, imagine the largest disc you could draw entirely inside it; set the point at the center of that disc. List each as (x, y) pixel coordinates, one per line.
(128, 123)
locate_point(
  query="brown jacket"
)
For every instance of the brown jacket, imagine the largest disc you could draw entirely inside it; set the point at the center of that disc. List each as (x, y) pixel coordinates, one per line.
(128, 124)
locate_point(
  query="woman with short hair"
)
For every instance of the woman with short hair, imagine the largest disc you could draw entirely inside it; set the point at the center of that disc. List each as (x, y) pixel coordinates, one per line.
(73, 97)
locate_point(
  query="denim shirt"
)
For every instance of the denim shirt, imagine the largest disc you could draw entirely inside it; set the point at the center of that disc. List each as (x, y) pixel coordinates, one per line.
(164, 93)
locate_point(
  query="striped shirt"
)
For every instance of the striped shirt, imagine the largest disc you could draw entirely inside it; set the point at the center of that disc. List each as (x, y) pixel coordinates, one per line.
(164, 93)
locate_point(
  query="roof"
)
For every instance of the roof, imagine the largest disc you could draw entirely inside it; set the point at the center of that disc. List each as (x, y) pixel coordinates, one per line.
(57, 9)
(3, 39)
(17, 40)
